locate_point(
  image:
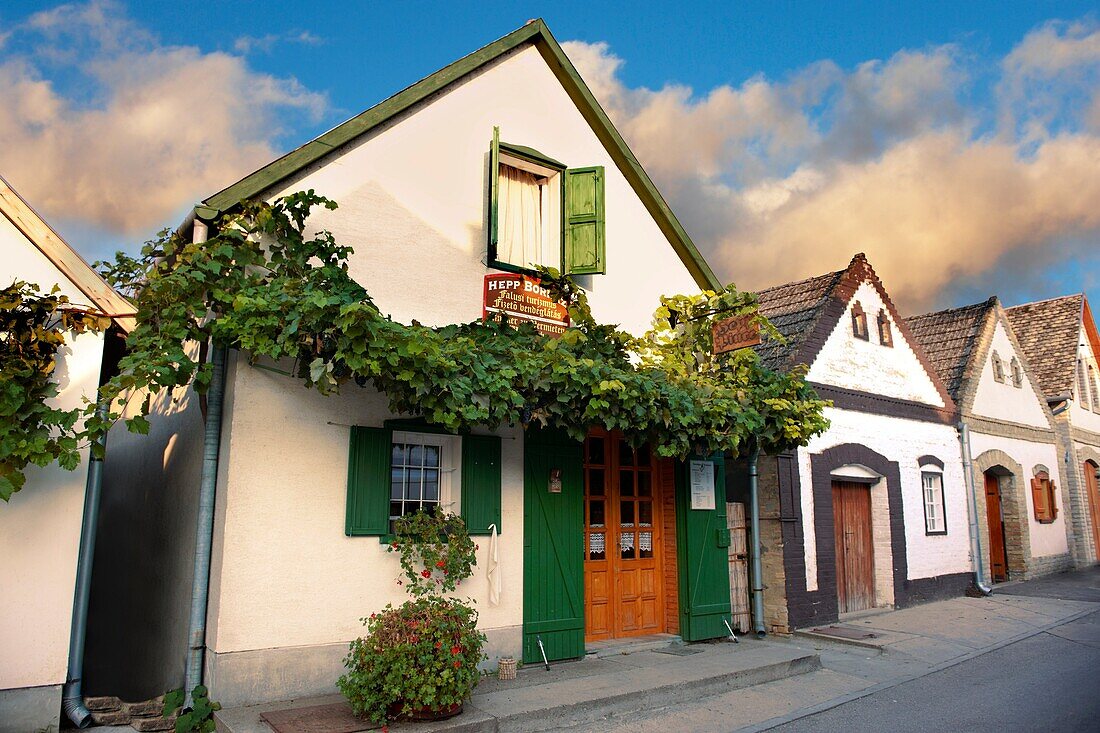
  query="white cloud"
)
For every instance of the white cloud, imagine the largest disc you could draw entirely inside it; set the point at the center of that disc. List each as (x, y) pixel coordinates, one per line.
(779, 180)
(163, 126)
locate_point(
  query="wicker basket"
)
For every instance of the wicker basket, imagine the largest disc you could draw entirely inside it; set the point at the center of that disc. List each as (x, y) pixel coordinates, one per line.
(507, 670)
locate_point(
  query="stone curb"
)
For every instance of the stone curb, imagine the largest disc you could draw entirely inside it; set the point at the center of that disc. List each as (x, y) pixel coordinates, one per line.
(887, 684)
(879, 647)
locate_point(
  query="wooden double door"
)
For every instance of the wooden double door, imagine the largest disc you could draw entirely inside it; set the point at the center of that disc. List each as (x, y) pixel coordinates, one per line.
(855, 551)
(623, 588)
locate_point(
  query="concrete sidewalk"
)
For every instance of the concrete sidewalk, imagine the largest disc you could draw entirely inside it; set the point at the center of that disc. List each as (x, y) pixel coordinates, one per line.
(577, 693)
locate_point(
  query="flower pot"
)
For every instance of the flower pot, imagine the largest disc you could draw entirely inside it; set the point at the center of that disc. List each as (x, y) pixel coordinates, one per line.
(507, 669)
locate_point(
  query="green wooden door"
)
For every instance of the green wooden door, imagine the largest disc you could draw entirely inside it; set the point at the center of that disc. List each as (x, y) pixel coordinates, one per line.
(553, 548)
(702, 554)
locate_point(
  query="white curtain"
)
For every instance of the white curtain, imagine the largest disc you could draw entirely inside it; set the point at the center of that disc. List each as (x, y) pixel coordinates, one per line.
(519, 217)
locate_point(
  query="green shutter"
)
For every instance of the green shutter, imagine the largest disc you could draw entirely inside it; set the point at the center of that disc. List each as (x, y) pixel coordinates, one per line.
(494, 183)
(368, 509)
(702, 541)
(585, 250)
(481, 482)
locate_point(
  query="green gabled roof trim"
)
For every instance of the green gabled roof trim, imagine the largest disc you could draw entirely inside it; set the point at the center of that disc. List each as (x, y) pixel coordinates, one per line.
(538, 34)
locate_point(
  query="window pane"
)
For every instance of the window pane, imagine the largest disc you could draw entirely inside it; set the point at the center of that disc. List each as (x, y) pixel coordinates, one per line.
(595, 482)
(596, 546)
(645, 513)
(645, 483)
(398, 458)
(596, 513)
(431, 455)
(645, 544)
(395, 509)
(643, 455)
(595, 451)
(626, 454)
(414, 487)
(626, 513)
(626, 483)
(626, 545)
(397, 483)
(431, 484)
(416, 455)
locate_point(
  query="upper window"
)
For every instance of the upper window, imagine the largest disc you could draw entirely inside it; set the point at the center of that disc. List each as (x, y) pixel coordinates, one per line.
(935, 518)
(1043, 493)
(859, 322)
(1017, 373)
(998, 368)
(543, 214)
(885, 335)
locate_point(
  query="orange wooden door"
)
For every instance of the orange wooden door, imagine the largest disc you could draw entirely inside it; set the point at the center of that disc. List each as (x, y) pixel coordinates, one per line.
(855, 556)
(998, 559)
(1092, 488)
(623, 586)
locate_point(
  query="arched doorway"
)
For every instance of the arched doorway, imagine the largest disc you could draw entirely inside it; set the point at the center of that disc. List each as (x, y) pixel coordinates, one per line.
(995, 518)
(1092, 489)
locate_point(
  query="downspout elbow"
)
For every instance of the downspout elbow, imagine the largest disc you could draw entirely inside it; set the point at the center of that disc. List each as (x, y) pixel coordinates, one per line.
(72, 705)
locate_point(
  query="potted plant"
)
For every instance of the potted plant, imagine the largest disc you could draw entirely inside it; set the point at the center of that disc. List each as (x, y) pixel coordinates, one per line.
(419, 660)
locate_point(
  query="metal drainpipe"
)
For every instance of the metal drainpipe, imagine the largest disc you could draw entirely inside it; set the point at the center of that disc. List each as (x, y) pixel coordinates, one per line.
(972, 505)
(757, 569)
(204, 529)
(72, 698)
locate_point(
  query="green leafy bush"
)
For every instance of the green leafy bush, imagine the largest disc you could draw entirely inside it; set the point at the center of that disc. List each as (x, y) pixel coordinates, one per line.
(436, 551)
(199, 718)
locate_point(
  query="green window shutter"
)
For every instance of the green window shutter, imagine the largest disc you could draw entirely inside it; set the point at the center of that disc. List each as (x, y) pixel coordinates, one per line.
(481, 482)
(494, 183)
(585, 249)
(368, 509)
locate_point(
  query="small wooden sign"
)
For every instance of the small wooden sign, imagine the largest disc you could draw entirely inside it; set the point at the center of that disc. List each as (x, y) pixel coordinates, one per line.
(734, 333)
(521, 298)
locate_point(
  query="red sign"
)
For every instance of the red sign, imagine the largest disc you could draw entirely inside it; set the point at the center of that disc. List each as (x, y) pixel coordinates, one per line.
(735, 333)
(521, 298)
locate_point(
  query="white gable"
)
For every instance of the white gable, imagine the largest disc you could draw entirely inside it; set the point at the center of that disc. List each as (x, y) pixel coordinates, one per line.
(24, 261)
(868, 366)
(1003, 400)
(413, 200)
(1080, 414)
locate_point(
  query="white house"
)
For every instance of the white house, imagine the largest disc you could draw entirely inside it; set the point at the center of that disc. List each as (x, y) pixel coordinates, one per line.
(1060, 340)
(498, 161)
(1016, 468)
(40, 526)
(872, 513)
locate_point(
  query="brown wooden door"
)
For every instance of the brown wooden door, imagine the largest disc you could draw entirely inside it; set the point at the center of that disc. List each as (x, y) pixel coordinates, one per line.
(623, 589)
(855, 554)
(998, 559)
(1092, 488)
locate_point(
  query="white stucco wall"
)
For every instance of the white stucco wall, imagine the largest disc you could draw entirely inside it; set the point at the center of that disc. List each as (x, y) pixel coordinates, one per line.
(285, 574)
(1003, 400)
(903, 441)
(40, 526)
(39, 540)
(413, 199)
(868, 366)
(1046, 539)
(1089, 419)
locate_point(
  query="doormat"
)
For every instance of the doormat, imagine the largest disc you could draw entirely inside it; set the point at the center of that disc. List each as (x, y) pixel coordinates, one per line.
(678, 650)
(332, 718)
(845, 632)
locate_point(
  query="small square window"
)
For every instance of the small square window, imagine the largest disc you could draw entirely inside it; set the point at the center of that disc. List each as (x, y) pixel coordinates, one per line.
(935, 519)
(859, 322)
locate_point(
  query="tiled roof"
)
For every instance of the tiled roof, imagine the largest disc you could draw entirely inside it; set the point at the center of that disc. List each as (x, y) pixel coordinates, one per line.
(949, 338)
(794, 309)
(1048, 331)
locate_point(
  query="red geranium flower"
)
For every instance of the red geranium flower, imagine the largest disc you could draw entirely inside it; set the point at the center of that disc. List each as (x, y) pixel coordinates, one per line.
(457, 664)
(426, 573)
(440, 563)
(438, 644)
(456, 649)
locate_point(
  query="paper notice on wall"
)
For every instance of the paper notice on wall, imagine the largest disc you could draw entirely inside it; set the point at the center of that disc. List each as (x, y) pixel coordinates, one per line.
(702, 484)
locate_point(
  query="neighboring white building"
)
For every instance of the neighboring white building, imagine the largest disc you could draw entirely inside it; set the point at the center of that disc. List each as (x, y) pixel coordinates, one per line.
(427, 182)
(872, 513)
(1018, 477)
(1062, 345)
(40, 525)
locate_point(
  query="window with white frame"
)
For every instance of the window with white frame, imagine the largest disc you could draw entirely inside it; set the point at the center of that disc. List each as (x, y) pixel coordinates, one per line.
(421, 466)
(935, 518)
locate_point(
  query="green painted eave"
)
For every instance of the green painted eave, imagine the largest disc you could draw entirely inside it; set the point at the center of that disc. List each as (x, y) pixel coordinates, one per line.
(536, 33)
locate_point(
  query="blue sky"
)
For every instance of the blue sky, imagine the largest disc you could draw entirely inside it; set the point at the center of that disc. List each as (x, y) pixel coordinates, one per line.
(799, 107)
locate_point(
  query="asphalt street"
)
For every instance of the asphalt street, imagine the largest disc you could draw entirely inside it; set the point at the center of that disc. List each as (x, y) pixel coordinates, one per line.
(1049, 682)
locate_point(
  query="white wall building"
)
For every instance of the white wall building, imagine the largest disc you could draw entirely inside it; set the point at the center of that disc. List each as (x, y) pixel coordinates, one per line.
(40, 525)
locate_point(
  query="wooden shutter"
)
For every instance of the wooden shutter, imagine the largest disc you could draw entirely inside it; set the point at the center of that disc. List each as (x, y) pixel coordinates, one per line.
(1040, 497)
(1052, 505)
(481, 482)
(494, 183)
(585, 250)
(368, 507)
